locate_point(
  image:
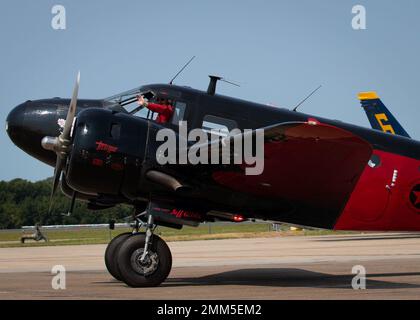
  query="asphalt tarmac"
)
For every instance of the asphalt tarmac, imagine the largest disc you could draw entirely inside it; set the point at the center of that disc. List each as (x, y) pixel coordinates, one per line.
(261, 268)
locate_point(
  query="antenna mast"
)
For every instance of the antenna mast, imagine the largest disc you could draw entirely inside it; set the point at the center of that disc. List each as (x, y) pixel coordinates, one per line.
(300, 103)
(182, 69)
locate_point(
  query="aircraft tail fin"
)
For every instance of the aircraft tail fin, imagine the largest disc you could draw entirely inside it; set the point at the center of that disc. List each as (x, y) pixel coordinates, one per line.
(379, 116)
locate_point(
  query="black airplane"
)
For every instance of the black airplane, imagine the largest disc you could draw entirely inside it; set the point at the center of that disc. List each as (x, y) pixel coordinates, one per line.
(317, 172)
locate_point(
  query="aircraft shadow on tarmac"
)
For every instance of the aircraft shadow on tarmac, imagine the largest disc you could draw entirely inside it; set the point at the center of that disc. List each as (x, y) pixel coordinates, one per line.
(281, 277)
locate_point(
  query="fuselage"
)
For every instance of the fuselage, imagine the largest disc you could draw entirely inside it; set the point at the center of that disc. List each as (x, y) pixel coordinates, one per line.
(384, 198)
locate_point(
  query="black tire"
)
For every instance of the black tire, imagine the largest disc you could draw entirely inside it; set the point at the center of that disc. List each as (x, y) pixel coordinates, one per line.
(159, 261)
(111, 254)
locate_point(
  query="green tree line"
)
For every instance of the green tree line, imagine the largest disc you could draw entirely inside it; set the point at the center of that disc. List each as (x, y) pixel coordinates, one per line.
(24, 202)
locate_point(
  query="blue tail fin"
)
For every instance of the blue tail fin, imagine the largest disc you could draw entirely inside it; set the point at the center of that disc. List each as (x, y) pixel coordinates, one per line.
(379, 116)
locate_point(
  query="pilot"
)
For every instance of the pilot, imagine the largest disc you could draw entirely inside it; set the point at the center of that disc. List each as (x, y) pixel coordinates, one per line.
(165, 110)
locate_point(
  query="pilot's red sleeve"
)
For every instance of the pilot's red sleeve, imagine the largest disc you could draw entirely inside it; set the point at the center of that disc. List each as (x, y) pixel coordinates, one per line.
(159, 108)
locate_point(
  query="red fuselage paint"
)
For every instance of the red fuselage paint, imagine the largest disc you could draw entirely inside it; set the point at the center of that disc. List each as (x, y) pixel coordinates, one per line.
(379, 203)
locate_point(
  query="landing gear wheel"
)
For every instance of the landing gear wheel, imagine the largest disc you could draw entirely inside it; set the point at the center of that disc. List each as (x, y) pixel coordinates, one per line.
(111, 254)
(152, 270)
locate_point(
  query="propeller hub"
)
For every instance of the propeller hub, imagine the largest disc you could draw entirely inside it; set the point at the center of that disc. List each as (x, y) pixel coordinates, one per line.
(50, 143)
(58, 144)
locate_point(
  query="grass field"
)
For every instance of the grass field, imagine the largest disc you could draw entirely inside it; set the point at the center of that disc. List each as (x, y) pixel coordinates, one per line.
(204, 231)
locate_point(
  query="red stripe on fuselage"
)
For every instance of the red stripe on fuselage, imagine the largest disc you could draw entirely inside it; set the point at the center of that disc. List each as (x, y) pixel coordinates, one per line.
(378, 205)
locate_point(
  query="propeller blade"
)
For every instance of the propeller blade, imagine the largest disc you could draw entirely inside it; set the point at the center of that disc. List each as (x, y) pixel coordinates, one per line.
(57, 174)
(60, 144)
(72, 110)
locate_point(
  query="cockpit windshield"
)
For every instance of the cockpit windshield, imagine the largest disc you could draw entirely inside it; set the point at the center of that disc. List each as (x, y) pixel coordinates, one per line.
(128, 100)
(128, 97)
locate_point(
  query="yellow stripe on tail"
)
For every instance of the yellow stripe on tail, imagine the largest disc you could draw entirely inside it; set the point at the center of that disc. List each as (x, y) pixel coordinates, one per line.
(368, 95)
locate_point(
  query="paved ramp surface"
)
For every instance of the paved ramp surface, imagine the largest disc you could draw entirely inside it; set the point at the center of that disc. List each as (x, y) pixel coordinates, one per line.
(261, 268)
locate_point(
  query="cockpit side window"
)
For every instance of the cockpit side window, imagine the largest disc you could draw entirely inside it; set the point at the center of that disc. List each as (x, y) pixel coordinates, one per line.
(179, 112)
(218, 125)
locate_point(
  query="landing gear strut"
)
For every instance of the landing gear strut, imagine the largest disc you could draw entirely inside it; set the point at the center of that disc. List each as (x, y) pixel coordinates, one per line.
(149, 233)
(140, 259)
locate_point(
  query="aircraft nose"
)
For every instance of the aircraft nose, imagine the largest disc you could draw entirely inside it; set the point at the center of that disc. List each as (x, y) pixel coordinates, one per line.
(14, 122)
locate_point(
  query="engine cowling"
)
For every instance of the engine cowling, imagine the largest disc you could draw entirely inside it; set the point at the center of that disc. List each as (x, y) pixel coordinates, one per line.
(107, 152)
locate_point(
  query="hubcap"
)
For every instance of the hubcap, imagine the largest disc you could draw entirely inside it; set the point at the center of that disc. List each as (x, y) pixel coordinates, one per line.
(148, 265)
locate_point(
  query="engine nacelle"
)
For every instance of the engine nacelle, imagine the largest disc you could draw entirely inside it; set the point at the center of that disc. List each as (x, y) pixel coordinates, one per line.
(107, 152)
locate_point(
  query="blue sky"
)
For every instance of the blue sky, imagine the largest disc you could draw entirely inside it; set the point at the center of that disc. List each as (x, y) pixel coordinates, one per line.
(278, 50)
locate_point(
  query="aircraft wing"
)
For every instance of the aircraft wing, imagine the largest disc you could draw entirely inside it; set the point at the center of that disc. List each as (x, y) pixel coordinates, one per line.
(310, 166)
(305, 161)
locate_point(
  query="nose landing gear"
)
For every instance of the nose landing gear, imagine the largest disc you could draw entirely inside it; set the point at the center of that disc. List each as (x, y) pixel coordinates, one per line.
(149, 271)
(139, 259)
(111, 253)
